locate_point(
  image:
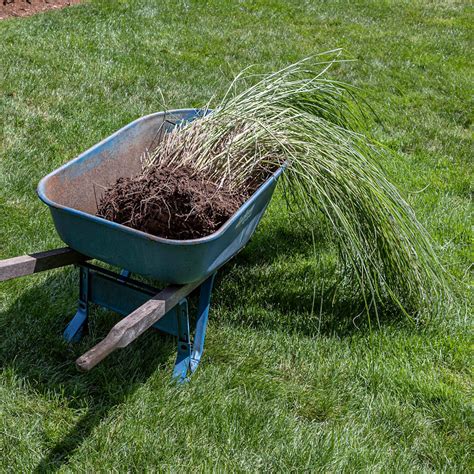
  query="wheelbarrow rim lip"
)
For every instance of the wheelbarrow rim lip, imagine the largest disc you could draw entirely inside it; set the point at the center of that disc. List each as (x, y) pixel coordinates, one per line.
(85, 215)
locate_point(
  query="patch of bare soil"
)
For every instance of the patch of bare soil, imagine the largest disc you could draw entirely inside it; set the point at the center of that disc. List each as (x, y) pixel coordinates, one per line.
(15, 8)
(170, 203)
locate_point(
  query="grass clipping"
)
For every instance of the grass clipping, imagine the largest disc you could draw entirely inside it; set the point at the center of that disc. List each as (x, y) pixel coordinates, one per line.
(299, 118)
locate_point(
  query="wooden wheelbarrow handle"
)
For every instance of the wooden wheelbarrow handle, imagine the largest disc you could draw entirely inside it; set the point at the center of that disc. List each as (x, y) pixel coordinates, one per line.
(136, 323)
(37, 262)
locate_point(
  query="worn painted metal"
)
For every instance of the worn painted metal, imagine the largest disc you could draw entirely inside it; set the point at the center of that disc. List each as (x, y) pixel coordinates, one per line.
(71, 190)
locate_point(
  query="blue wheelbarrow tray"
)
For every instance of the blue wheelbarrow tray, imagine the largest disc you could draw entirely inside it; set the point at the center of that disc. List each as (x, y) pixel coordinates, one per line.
(73, 190)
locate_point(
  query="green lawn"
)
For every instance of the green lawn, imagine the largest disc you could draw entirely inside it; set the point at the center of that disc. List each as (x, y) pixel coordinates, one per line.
(285, 383)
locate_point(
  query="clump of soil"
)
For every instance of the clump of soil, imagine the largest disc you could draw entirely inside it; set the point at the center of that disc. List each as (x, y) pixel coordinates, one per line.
(173, 203)
(12, 8)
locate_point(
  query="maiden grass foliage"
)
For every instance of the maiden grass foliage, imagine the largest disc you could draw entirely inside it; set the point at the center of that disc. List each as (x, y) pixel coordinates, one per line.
(314, 125)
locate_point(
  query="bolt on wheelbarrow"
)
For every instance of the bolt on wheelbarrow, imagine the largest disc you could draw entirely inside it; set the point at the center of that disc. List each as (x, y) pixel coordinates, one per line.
(184, 265)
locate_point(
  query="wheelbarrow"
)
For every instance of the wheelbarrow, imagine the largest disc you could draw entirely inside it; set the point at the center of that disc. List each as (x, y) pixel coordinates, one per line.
(71, 192)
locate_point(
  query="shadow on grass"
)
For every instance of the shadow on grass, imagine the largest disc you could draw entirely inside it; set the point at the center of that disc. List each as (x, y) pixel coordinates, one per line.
(36, 352)
(283, 295)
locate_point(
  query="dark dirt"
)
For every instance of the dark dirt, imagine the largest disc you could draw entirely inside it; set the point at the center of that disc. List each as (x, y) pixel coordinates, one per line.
(15, 8)
(170, 203)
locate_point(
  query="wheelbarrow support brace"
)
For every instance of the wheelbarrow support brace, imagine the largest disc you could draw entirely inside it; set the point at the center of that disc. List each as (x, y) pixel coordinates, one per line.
(125, 296)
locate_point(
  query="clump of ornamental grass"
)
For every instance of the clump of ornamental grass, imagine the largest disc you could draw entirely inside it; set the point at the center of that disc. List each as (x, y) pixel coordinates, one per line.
(299, 118)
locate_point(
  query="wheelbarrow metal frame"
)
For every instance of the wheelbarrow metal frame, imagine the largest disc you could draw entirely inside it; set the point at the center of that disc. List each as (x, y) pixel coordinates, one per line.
(142, 306)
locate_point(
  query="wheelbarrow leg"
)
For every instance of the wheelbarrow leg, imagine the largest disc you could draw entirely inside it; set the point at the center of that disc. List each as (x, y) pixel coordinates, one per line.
(189, 354)
(75, 328)
(201, 321)
(183, 358)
